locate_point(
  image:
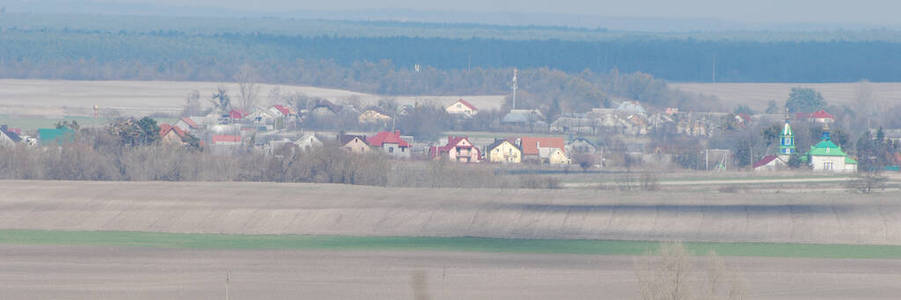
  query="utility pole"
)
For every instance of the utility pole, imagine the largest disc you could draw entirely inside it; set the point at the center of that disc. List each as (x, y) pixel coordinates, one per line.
(714, 68)
(514, 87)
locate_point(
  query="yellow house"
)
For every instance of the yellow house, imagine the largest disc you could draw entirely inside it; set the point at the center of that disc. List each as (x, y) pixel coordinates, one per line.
(554, 156)
(171, 135)
(373, 117)
(354, 143)
(503, 151)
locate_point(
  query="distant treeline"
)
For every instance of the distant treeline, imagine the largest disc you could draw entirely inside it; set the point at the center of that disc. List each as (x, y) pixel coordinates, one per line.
(76, 54)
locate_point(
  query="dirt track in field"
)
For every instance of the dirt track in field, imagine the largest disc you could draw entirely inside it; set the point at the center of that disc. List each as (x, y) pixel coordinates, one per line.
(268, 208)
(61, 272)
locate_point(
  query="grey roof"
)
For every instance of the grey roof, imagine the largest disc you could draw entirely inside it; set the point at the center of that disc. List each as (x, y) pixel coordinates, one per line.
(12, 135)
(631, 107)
(498, 142)
(346, 138)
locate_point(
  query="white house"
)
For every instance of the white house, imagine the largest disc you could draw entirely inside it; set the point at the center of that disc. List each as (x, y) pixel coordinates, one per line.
(826, 156)
(462, 108)
(307, 142)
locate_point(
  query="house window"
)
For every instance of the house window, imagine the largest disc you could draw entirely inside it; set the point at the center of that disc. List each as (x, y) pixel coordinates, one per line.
(827, 165)
(390, 149)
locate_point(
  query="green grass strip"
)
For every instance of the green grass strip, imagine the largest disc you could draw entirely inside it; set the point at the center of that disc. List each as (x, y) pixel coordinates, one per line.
(318, 242)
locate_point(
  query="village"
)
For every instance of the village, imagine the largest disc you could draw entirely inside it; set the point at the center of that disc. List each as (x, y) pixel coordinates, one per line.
(629, 135)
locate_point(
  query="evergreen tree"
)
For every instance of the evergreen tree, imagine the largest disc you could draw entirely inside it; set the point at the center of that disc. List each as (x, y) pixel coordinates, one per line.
(804, 100)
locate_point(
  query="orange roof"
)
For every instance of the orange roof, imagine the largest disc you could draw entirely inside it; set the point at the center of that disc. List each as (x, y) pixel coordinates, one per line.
(226, 139)
(387, 137)
(165, 128)
(530, 144)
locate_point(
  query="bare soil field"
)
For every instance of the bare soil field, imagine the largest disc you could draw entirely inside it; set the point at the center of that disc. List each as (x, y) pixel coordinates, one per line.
(69, 272)
(321, 209)
(756, 95)
(56, 98)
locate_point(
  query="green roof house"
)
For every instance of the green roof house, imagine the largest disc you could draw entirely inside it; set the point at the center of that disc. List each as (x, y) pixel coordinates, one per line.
(57, 136)
(826, 156)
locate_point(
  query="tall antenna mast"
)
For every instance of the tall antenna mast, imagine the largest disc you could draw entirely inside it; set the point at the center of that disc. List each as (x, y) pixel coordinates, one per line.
(514, 87)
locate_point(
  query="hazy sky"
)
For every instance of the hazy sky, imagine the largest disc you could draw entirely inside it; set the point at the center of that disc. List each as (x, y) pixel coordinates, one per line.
(654, 14)
(872, 12)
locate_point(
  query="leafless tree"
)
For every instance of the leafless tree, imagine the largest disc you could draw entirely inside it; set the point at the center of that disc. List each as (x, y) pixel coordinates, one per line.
(669, 274)
(248, 88)
(192, 106)
(275, 96)
(221, 100)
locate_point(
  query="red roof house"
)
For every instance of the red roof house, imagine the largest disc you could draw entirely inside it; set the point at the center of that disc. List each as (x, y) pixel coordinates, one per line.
(458, 148)
(171, 134)
(186, 124)
(462, 107)
(387, 137)
(284, 110)
(769, 163)
(391, 143)
(530, 145)
(820, 116)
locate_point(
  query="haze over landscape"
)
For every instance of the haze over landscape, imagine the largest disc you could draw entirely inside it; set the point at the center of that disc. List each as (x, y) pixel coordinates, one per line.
(467, 149)
(642, 15)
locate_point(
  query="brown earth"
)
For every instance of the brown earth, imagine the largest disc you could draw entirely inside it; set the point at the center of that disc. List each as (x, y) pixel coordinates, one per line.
(271, 208)
(64, 272)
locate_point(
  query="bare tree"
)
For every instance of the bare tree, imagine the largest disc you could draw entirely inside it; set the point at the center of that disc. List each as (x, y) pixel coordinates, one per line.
(221, 100)
(867, 104)
(867, 182)
(275, 96)
(248, 88)
(192, 104)
(669, 274)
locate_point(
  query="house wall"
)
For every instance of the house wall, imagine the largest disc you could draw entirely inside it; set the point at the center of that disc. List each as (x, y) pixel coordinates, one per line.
(172, 138)
(5, 141)
(396, 150)
(819, 163)
(466, 154)
(850, 168)
(459, 108)
(356, 146)
(505, 153)
(558, 158)
(308, 143)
